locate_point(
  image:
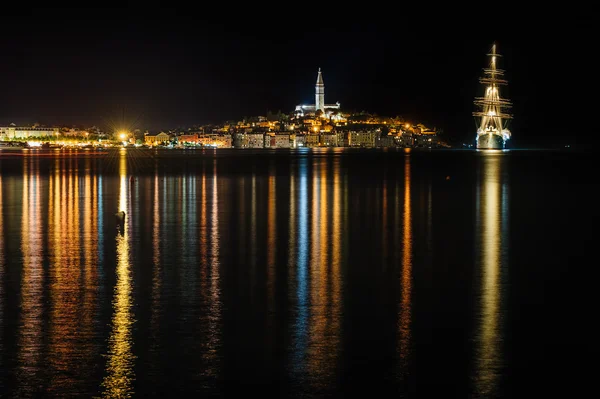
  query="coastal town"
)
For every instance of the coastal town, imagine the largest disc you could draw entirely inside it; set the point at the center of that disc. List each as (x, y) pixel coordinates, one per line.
(308, 126)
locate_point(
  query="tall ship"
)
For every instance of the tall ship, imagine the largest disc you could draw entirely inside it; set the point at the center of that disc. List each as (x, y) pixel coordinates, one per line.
(491, 114)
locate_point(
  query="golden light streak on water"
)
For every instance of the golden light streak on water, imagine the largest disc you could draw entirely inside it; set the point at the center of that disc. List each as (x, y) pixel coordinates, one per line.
(118, 381)
(204, 226)
(32, 280)
(182, 234)
(292, 260)
(123, 186)
(318, 352)
(336, 237)
(315, 345)
(214, 306)
(323, 231)
(271, 241)
(429, 220)
(253, 237)
(156, 258)
(215, 236)
(66, 271)
(2, 260)
(90, 250)
(269, 337)
(335, 277)
(406, 276)
(54, 211)
(57, 205)
(324, 324)
(58, 247)
(488, 338)
(67, 293)
(242, 233)
(181, 204)
(87, 214)
(314, 236)
(384, 216)
(209, 352)
(79, 328)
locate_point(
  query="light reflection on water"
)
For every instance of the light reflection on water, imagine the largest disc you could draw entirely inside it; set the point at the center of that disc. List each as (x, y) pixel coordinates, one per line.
(309, 273)
(316, 240)
(156, 261)
(118, 381)
(215, 308)
(492, 220)
(271, 244)
(2, 266)
(32, 284)
(334, 288)
(300, 253)
(320, 352)
(404, 317)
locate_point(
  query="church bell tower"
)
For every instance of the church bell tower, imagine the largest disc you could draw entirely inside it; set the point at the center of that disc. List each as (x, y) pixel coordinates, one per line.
(320, 93)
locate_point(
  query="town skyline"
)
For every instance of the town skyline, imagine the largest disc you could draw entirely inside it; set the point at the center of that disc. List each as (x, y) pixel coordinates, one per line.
(201, 71)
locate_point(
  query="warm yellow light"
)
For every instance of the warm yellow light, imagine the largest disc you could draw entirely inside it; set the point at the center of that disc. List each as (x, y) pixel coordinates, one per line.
(407, 125)
(123, 136)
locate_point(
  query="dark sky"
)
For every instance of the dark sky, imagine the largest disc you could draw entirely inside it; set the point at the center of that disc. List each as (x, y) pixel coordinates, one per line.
(159, 68)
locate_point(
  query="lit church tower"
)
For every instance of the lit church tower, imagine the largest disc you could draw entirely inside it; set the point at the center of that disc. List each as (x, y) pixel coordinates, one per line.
(302, 109)
(320, 93)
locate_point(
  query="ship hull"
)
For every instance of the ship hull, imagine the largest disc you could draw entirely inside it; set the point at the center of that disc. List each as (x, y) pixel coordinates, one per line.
(490, 141)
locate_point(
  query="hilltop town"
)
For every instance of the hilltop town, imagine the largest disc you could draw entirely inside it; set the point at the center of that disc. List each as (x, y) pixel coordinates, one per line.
(309, 125)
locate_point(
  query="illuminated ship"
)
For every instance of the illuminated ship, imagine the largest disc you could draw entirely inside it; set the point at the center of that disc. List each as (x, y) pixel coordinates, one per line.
(491, 115)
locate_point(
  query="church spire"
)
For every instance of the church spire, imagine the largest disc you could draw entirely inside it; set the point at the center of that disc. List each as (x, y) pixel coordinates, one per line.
(320, 93)
(320, 78)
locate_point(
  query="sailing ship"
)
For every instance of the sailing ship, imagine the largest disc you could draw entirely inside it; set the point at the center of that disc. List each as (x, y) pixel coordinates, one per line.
(491, 116)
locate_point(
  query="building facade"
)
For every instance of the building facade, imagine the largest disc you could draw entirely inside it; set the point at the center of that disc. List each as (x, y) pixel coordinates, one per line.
(159, 139)
(23, 132)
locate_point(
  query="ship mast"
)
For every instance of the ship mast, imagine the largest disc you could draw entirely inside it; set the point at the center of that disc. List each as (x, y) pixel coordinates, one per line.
(492, 108)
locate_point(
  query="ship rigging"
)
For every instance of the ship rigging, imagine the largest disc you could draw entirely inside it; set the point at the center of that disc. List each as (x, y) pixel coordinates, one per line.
(491, 114)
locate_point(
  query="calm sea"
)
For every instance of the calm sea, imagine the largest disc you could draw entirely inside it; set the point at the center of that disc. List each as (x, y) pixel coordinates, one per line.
(300, 273)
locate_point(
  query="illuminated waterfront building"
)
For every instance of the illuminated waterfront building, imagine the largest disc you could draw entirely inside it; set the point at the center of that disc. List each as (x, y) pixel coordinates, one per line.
(159, 139)
(362, 138)
(18, 132)
(278, 140)
(184, 139)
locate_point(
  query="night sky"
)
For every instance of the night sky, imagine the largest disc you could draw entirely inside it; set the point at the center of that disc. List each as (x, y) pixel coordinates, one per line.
(164, 68)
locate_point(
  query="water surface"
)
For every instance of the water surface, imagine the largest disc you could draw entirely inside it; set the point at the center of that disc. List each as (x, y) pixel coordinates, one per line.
(298, 273)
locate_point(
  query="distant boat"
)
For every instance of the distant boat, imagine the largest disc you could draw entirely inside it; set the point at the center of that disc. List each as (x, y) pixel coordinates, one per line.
(492, 132)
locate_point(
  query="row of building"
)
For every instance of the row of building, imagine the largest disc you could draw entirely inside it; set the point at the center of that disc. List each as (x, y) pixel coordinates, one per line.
(251, 138)
(351, 138)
